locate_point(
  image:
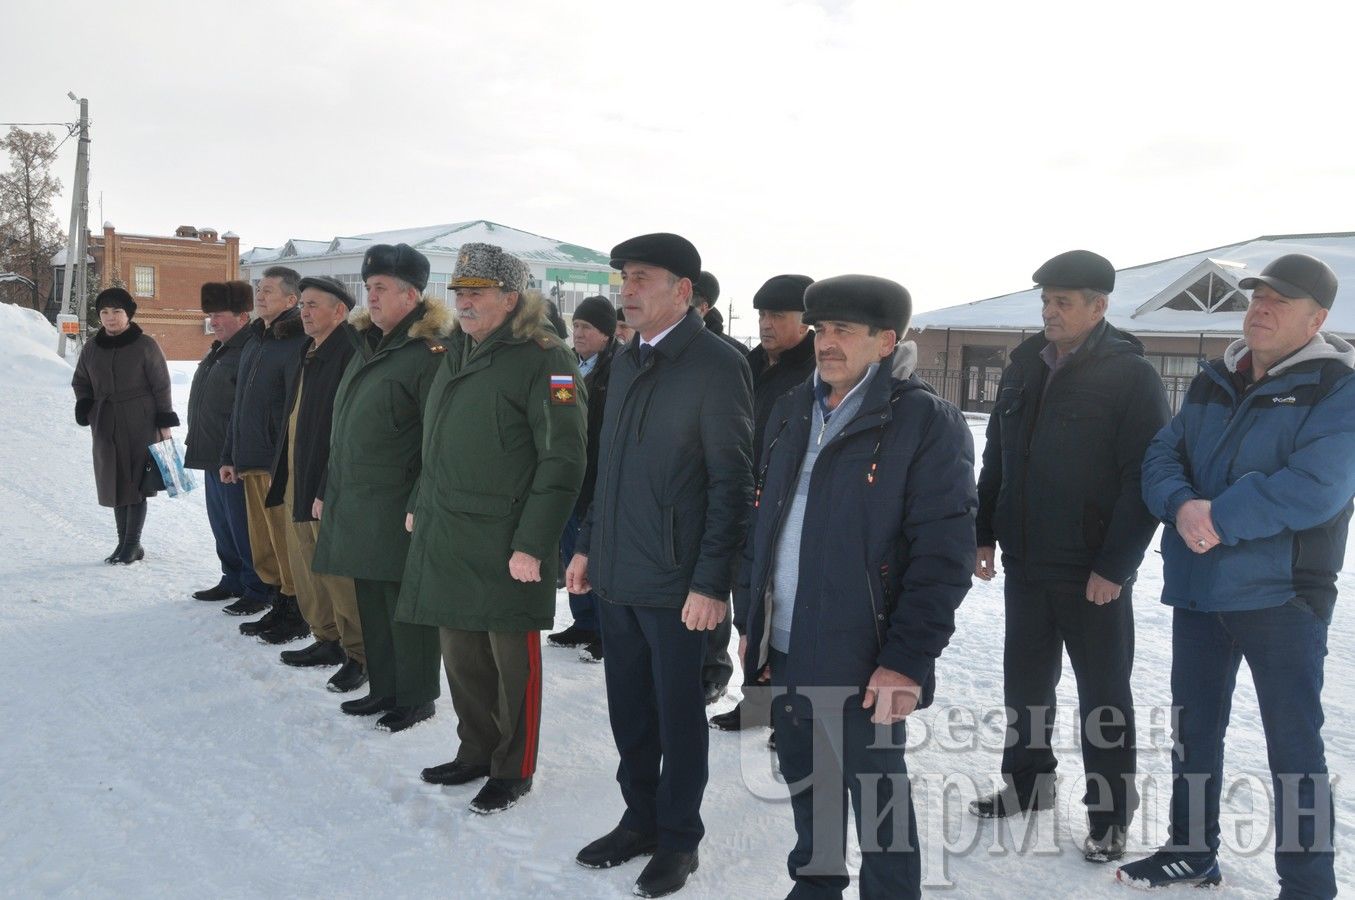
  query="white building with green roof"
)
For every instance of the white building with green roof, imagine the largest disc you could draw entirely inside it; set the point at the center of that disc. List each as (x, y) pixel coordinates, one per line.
(562, 271)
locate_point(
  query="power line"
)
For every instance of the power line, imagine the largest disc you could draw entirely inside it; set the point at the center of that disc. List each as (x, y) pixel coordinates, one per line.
(36, 124)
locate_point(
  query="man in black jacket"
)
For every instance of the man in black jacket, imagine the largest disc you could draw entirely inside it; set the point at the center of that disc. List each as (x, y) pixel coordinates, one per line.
(594, 344)
(1060, 491)
(210, 400)
(328, 606)
(267, 364)
(859, 553)
(782, 361)
(674, 486)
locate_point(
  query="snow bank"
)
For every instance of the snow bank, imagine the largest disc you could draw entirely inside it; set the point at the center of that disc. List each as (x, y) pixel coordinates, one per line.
(28, 349)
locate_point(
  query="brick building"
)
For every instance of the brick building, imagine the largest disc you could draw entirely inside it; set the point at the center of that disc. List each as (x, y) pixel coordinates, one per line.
(165, 275)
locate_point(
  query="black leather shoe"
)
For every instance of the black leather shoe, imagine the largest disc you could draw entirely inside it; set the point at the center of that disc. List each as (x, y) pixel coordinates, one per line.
(615, 847)
(666, 873)
(573, 636)
(245, 606)
(215, 593)
(713, 691)
(454, 772)
(402, 717)
(591, 652)
(499, 794)
(367, 706)
(320, 653)
(351, 676)
(1109, 846)
(729, 721)
(1007, 803)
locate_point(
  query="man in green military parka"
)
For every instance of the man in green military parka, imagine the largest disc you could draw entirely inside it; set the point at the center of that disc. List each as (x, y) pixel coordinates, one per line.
(504, 450)
(373, 467)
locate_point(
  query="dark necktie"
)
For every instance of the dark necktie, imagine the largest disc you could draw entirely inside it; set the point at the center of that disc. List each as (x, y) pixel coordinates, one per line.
(646, 350)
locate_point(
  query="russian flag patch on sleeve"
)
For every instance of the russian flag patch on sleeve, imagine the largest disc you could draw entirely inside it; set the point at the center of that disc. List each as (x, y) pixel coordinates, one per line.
(562, 390)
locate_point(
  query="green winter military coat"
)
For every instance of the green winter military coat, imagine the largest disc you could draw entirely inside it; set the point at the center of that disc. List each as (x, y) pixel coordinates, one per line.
(504, 449)
(374, 444)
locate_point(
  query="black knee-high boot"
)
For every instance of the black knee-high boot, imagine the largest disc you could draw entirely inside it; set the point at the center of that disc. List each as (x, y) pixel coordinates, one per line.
(131, 545)
(120, 515)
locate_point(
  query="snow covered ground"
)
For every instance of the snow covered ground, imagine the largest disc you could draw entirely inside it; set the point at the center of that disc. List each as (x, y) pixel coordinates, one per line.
(150, 750)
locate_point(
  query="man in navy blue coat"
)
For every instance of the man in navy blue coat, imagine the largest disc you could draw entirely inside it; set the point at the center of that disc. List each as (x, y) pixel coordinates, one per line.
(861, 548)
(1254, 479)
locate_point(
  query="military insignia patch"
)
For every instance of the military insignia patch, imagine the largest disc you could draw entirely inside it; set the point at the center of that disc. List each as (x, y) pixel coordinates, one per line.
(562, 391)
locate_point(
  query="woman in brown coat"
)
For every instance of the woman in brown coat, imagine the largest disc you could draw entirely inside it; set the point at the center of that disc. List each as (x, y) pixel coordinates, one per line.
(122, 393)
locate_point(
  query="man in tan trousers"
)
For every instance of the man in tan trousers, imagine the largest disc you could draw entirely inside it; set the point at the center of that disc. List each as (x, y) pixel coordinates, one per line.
(327, 602)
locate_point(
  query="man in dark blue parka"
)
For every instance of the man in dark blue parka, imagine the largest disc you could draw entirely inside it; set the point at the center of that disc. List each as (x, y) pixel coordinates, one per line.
(860, 550)
(1253, 479)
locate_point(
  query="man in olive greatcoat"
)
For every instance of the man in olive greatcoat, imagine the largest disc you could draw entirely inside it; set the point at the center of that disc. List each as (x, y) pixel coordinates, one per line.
(374, 461)
(504, 450)
(210, 401)
(1060, 491)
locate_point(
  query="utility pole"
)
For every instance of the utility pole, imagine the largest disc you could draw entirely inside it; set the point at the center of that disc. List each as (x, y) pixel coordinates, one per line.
(70, 321)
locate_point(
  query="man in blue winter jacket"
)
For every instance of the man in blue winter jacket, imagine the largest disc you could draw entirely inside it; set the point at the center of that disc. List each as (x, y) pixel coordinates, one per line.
(1254, 479)
(860, 549)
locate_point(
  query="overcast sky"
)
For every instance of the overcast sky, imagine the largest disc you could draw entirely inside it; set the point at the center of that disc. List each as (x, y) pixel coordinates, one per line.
(949, 146)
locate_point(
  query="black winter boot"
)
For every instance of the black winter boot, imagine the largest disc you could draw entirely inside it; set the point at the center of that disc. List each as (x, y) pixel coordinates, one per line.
(289, 626)
(268, 619)
(131, 551)
(119, 516)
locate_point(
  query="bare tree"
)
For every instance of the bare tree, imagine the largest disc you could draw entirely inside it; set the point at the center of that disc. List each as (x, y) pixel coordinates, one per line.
(29, 230)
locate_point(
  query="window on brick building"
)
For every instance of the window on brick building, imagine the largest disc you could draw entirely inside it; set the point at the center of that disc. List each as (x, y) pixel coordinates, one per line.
(143, 280)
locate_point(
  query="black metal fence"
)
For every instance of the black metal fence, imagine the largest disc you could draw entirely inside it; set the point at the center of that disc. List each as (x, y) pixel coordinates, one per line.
(978, 393)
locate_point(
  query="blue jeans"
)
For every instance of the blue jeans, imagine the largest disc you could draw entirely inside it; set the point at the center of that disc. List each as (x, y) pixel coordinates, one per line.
(1284, 647)
(226, 515)
(584, 607)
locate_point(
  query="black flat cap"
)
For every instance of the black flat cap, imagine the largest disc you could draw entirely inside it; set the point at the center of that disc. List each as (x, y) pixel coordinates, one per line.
(670, 251)
(782, 293)
(227, 296)
(330, 285)
(864, 299)
(1077, 269)
(1297, 275)
(399, 261)
(706, 286)
(598, 312)
(116, 298)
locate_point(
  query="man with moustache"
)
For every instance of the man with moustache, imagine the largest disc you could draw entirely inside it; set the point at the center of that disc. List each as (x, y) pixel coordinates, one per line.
(268, 363)
(783, 359)
(504, 457)
(860, 551)
(1253, 479)
(210, 401)
(594, 345)
(327, 603)
(374, 463)
(673, 491)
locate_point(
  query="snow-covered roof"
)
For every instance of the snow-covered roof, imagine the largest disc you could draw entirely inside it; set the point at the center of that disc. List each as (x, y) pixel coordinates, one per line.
(1142, 292)
(59, 258)
(439, 239)
(15, 278)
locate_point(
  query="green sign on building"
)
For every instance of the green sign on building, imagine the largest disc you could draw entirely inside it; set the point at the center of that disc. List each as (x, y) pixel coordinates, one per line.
(578, 276)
